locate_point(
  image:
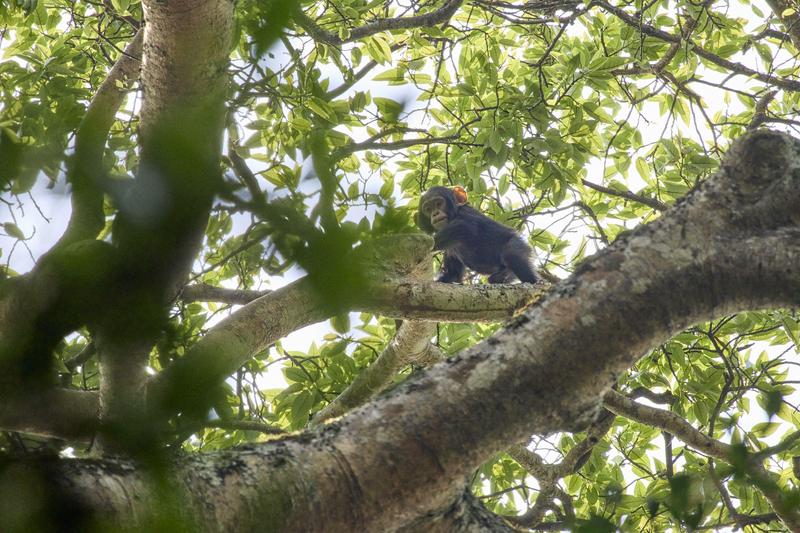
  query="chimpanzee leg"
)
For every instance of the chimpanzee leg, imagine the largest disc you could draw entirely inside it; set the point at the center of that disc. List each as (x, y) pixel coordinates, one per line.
(516, 255)
(452, 269)
(503, 276)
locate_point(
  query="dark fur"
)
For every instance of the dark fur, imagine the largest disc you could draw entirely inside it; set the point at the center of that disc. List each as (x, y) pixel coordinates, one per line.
(471, 239)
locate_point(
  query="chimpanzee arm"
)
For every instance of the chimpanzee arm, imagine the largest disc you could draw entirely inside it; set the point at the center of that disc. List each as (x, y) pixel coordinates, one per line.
(453, 234)
(452, 269)
(516, 255)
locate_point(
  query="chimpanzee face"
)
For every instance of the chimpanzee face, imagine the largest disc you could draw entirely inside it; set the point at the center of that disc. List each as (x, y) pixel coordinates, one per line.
(438, 206)
(435, 209)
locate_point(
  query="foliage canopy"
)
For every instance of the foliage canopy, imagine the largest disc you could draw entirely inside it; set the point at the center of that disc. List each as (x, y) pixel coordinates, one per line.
(571, 121)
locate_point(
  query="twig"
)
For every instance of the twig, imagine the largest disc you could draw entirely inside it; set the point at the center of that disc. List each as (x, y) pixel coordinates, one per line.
(650, 202)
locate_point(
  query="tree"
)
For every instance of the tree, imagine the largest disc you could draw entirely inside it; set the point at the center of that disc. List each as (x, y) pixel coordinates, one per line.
(210, 148)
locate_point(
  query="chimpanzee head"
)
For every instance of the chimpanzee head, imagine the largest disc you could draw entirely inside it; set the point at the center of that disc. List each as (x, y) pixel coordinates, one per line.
(438, 206)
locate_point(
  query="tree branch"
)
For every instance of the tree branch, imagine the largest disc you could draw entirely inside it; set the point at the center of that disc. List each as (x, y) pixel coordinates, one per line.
(437, 16)
(760, 112)
(669, 422)
(655, 397)
(86, 172)
(548, 474)
(677, 426)
(161, 221)
(202, 292)
(443, 302)
(784, 83)
(60, 413)
(650, 202)
(395, 145)
(243, 425)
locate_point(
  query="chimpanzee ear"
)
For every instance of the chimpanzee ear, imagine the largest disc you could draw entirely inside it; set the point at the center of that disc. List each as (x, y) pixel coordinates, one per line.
(460, 195)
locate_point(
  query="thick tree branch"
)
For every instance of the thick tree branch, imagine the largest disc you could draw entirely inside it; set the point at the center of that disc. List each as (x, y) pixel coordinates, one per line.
(86, 173)
(443, 302)
(61, 413)
(202, 292)
(161, 221)
(437, 16)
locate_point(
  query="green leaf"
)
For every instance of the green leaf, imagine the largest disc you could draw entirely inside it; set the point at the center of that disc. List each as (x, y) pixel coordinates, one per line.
(502, 186)
(595, 524)
(378, 49)
(389, 109)
(301, 406)
(765, 429)
(387, 189)
(341, 323)
(771, 401)
(13, 230)
(321, 108)
(292, 373)
(269, 21)
(393, 74)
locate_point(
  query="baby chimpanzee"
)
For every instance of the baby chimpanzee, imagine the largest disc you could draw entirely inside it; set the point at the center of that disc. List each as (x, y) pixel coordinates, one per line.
(470, 238)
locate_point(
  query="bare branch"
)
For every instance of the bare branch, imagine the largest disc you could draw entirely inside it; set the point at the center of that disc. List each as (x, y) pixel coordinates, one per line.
(669, 422)
(59, 413)
(86, 173)
(437, 16)
(650, 202)
(738, 68)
